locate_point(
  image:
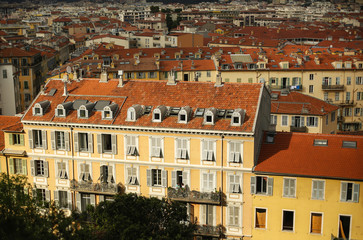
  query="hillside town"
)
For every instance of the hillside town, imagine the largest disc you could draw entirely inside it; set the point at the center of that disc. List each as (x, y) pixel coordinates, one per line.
(249, 112)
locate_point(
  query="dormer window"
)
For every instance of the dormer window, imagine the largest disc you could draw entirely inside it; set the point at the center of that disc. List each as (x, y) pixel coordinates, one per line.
(210, 116)
(62, 109)
(109, 111)
(183, 115)
(134, 112)
(82, 112)
(159, 113)
(60, 112)
(237, 117)
(40, 108)
(37, 111)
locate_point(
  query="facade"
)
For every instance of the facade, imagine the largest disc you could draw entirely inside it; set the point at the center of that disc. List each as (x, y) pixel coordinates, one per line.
(198, 146)
(9, 90)
(307, 186)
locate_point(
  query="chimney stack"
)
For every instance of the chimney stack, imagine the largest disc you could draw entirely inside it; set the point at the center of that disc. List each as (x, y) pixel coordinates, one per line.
(121, 78)
(171, 78)
(218, 80)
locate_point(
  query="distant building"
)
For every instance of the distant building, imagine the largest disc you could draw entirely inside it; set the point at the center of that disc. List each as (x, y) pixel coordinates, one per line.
(10, 103)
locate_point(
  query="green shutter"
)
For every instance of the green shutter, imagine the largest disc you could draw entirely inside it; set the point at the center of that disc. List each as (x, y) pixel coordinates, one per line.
(24, 170)
(10, 139)
(11, 165)
(22, 139)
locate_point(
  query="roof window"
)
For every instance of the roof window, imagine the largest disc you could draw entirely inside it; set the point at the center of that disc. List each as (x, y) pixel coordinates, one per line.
(210, 116)
(159, 113)
(349, 144)
(63, 109)
(84, 111)
(184, 114)
(270, 137)
(320, 142)
(109, 111)
(40, 108)
(238, 117)
(134, 112)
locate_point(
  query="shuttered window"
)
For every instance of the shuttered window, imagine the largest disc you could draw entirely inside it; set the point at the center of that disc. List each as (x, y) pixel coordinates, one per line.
(156, 147)
(260, 218)
(208, 150)
(62, 170)
(289, 187)
(318, 190)
(349, 192)
(316, 220)
(132, 176)
(131, 149)
(234, 184)
(182, 148)
(233, 212)
(208, 182)
(18, 166)
(235, 152)
(84, 172)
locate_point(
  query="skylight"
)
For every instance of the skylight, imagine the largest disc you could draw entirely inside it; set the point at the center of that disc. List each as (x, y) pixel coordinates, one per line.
(320, 142)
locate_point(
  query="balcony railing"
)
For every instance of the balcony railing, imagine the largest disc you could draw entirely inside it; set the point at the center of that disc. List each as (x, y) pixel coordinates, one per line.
(333, 87)
(185, 195)
(298, 129)
(340, 118)
(346, 103)
(91, 187)
(208, 230)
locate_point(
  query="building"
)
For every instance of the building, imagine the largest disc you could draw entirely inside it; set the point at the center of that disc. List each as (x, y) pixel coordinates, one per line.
(307, 186)
(190, 142)
(9, 90)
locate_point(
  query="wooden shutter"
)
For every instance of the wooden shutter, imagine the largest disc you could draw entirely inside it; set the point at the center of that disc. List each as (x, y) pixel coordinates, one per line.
(148, 176)
(93, 199)
(30, 138)
(270, 182)
(78, 202)
(173, 179)
(52, 140)
(114, 143)
(343, 193)
(355, 192)
(46, 169)
(253, 185)
(24, 167)
(99, 143)
(76, 145)
(32, 168)
(90, 142)
(44, 139)
(316, 222)
(11, 165)
(164, 178)
(66, 141)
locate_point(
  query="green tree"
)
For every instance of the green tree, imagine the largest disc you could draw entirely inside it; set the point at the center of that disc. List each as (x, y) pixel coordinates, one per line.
(135, 217)
(154, 9)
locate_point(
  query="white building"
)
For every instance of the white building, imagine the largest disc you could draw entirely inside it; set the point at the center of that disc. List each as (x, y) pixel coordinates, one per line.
(10, 103)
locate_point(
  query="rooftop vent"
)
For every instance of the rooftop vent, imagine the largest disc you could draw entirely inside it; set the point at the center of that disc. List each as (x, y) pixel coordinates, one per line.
(320, 142)
(274, 96)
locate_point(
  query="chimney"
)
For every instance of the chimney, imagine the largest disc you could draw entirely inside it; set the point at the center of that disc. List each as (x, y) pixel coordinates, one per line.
(171, 78)
(104, 77)
(317, 60)
(299, 60)
(121, 79)
(157, 62)
(218, 80)
(75, 78)
(65, 81)
(80, 74)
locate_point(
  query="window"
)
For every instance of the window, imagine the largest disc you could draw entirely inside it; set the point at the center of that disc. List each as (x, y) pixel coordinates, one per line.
(359, 80)
(359, 96)
(83, 142)
(84, 199)
(273, 119)
(347, 96)
(284, 120)
(85, 172)
(233, 212)
(260, 218)
(60, 140)
(60, 112)
(17, 166)
(209, 116)
(16, 139)
(318, 190)
(287, 220)
(107, 143)
(239, 80)
(316, 222)
(82, 113)
(311, 76)
(349, 144)
(131, 115)
(249, 80)
(106, 174)
(349, 80)
(347, 112)
(25, 72)
(179, 179)
(37, 139)
(337, 96)
(42, 194)
(132, 176)
(181, 148)
(311, 88)
(208, 182)
(261, 185)
(235, 152)
(234, 183)
(349, 192)
(312, 121)
(273, 81)
(156, 177)
(5, 73)
(63, 199)
(332, 116)
(131, 147)
(27, 97)
(209, 74)
(24, 61)
(344, 227)
(289, 187)
(62, 170)
(26, 85)
(326, 96)
(39, 168)
(337, 80)
(207, 214)
(320, 142)
(208, 150)
(156, 147)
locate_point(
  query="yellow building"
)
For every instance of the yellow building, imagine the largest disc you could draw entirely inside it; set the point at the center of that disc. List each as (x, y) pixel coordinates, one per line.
(190, 142)
(307, 186)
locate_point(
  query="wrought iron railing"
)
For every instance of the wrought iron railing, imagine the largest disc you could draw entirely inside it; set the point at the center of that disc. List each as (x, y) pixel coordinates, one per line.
(86, 186)
(208, 230)
(298, 129)
(333, 87)
(185, 195)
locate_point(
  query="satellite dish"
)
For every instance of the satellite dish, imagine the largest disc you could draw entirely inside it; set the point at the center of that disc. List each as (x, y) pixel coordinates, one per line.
(69, 69)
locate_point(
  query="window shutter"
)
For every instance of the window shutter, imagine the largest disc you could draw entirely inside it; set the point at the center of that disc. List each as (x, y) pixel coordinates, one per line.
(231, 183)
(52, 140)
(110, 178)
(22, 139)
(93, 199)
(343, 193)
(286, 187)
(81, 172)
(203, 214)
(237, 184)
(148, 176)
(315, 190)
(24, 167)
(87, 172)
(114, 143)
(205, 181)
(69, 198)
(56, 197)
(66, 140)
(302, 121)
(293, 121)
(173, 179)
(90, 142)
(76, 146)
(186, 178)
(11, 165)
(164, 178)
(10, 139)
(99, 143)
(101, 198)
(30, 137)
(78, 202)
(46, 169)
(315, 121)
(210, 215)
(299, 80)
(129, 174)
(270, 183)
(355, 192)
(253, 185)
(47, 195)
(32, 169)
(44, 138)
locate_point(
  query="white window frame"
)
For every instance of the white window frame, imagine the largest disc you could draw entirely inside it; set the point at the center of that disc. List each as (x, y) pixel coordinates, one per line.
(182, 152)
(273, 119)
(235, 186)
(282, 220)
(131, 114)
(291, 193)
(45, 168)
(287, 120)
(159, 112)
(208, 154)
(317, 189)
(210, 114)
(322, 221)
(131, 149)
(155, 148)
(132, 179)
(233, 155)
(350, 224)
(269, 185)
(316, 120)
(236, 215)
(61, 174)
(210, 180)
(354, 186)
(60, 107)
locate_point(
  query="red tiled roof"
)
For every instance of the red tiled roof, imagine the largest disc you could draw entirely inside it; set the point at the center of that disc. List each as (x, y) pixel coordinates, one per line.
(8, 122)
(295, 154)
(155, 93)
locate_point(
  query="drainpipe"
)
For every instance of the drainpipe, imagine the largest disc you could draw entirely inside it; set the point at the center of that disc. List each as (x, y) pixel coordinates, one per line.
(221, 192)
(72, 149)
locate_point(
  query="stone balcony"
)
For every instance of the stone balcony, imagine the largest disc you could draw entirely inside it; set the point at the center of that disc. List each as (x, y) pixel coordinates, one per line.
(185, 195)
(327, 87)
(96, 188)
(209, 231)
(298, 129)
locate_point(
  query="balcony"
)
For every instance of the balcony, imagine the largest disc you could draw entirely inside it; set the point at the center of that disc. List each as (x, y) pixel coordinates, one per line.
(298, 129)
(208, 230)
(340, 119)
(97, 188)
(347, 103)
(185, 195)
(327, 87)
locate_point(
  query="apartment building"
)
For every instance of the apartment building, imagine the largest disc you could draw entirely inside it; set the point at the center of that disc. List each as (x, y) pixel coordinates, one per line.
(190, 142)
(307, 186)
(9, 90)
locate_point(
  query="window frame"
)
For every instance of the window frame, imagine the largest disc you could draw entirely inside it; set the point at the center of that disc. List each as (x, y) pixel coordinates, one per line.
(355, 186)
(287, 120)
(62, 173)
(82, 176)
(155, 147)
(182, 148)
(282, 221)
(206, 183)
(321, 223)
(255, 223)
(232, 154)
(235, 184)
(236, 217)
(290, 194)
(131, 145)
(132, 179)
(206, 153)
(317, 189)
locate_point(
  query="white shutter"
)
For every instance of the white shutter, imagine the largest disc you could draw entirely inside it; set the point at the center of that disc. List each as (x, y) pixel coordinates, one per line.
(293, 121)
(81, 171)
(30, 137)
(148, 176)
(270, 182)
(114, 143)
(66, 141)
(315, 121)
(315, 190)
(46, 169)
(11, 165)
(93, 199)
(101, 198)
(173, 179)
(286, 187)
(343, 193)
(355, 192)
(76, 146)
(204, 150)
(52, 140)
(231, 183)
(69, 198)
(24, 167)
(56, 197)
(253, 185)
(302, 121)
(59, 170)
(32, 168)
(99, 143)
(186, 178)
(47, 195)
(78, 202)
(90, 142)
(44, 138)
(164, 178)
(110, 178)
(129, 174)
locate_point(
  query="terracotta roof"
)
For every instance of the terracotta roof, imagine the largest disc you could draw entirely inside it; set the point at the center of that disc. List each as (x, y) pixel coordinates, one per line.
(298, 103)
(155, 93)
(8, 122)
(295, 154)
